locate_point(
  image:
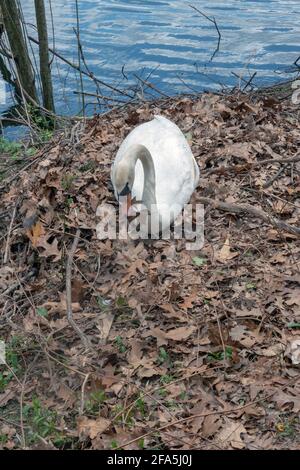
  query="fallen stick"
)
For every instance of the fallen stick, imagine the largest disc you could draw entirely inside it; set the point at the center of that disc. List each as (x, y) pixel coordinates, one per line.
(5, 258)
(250, 210)
(294, 159)
(81, 408)
(194, 416)
(70, 318)
(247, 166)
(10, 179)
(274, 178)
(14, 286)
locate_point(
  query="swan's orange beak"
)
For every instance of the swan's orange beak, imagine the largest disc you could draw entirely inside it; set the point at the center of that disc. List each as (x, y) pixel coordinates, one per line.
(126, 204)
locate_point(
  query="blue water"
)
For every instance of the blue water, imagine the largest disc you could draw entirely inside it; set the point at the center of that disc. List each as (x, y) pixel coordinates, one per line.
(170, 41)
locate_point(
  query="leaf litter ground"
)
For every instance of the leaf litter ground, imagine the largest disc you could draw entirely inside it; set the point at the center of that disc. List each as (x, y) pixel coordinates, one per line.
(190, 349)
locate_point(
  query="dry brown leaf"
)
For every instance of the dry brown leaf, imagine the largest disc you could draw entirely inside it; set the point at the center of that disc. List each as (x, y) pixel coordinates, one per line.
(60, 307)
(180, 334)
(8, 432)
(253, 312)
(120, 437)
(189, 301)
(244, 336)
(104, 324)
(170, 309)
(253, 410)
(225, 253)
(77, 292)
(6, 397)
(160, 335)
(240, 150)
(210, 294)
(66, 394)
(136, 352)
(231, 434)
(282, 207)
(51, 249)
(271, 351)
(293, 350)
(211, 425)
(92, 427)
(282, 399)
(293, 298)
(35, 233)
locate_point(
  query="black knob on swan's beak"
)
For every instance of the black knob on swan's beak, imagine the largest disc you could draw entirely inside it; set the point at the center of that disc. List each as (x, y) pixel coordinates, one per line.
(125, 191)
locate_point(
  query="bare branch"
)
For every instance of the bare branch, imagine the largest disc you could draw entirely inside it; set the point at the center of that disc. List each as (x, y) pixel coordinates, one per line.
(248, 166)
(250, 210)
(250, 81)
(149, 85)
(274, 178)
(71, 321)
(212, 20)
(9, 235)
(76, 67)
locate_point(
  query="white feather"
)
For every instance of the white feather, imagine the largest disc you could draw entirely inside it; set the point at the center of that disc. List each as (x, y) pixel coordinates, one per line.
(176, 171)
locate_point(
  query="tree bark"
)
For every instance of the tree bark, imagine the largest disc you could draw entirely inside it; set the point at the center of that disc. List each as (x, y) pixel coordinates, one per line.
(13, 27)
(45, 71)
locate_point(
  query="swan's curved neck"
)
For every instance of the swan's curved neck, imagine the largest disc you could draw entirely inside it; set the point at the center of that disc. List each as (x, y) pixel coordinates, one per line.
(140, 152)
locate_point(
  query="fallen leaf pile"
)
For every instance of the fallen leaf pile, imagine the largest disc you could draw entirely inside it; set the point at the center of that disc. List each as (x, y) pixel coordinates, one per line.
(191, 349)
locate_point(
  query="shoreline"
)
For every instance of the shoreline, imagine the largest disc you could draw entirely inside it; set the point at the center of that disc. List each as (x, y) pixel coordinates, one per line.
(280, 91)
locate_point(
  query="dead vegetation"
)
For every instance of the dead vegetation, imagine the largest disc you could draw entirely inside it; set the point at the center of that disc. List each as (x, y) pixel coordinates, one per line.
(189, 350)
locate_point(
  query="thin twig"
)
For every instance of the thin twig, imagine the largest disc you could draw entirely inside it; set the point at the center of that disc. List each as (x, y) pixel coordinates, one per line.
(5, 258)
(74, 66)
(81, 409)
(274, 178)
(22, 385)
(225, 169)
(250, 81)
(71, 321)
(198, 415)
(14, 286)
(212, 20)
(154, 389)
(253, 211)
(16, 175)
(66, 366)
(150, 85)
(221, 336)
(21, 411)
(97, 95)
(242, 79)
(294, 159)
(91, 74)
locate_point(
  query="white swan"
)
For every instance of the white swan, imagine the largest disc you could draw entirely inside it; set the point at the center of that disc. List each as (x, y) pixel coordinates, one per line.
(155, 165)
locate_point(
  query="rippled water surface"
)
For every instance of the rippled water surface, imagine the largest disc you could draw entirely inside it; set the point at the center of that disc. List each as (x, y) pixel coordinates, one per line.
(169, 39)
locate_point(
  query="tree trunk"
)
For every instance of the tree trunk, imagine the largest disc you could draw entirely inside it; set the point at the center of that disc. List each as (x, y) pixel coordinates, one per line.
(44, 55)
(13, 27)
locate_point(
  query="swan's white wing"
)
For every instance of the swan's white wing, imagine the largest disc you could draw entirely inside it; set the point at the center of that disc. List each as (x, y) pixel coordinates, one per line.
(176, 170)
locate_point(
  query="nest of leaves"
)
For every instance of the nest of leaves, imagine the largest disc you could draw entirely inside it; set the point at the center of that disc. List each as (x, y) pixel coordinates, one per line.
(190, 349)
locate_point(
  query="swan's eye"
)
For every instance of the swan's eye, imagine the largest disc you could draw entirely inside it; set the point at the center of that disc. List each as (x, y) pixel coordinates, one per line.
(125, 191)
